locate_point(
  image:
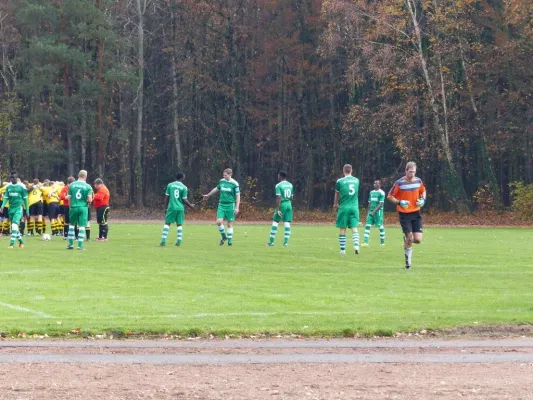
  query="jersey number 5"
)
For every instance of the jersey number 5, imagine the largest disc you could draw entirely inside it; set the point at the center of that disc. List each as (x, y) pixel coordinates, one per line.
(351, 186)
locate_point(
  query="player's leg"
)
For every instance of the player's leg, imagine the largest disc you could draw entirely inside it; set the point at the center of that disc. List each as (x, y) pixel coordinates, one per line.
(88, 226)
(220, 225)
(104, 224)
(67, 223)
(73, 221)
(417, 229)
(381, 234)
(342, 223)
(5, 226)
(274, 228)
(83, 223)
(170, 217)
(407, 228)
(353, 223)
(287, 218)
(230, 233)
(366, 235)
(180, 219)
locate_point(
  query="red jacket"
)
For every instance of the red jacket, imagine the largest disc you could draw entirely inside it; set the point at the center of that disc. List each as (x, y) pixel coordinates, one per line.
(101, 197)
(63, 195)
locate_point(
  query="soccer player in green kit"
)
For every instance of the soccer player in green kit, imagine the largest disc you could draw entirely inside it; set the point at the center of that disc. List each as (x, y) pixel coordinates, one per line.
(283, 211)
(376, 200)
(80, 195)
(347, 202)
(228, 204)
(17, 195)
(176, 197)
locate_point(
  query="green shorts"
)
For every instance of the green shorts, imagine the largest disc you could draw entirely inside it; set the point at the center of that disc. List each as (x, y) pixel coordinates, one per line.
(15, 215)
(376, 219)
(175, 216)
(226, 211)
(347, 218)
(78, 216)
(286, 213)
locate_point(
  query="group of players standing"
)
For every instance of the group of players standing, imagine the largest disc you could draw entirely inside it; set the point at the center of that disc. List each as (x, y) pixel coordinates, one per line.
(408, 194)
(67, 206)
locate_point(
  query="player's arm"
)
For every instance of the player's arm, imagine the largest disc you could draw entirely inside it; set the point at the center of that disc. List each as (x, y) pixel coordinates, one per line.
(237, 203)
(90, 198)
(186, 201)
(375, 210)
(26, 203)
(167, 199)
(336, 200)
(278, 204)
(208, 195)
(422, 196)
(4, 203)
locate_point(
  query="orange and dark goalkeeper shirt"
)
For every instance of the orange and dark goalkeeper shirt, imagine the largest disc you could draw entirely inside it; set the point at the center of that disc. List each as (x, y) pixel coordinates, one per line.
(407, 190)
(101, 197)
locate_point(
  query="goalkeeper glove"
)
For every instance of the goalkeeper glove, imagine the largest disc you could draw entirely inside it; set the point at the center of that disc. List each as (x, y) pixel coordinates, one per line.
(420, 202)
(404, 203)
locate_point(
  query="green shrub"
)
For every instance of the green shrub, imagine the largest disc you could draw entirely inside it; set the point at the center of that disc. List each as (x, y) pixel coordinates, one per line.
(522, 199)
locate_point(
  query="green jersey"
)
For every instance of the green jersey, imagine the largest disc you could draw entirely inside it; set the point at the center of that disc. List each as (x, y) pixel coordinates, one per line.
(285, 191)
(348, 189)
(78, 192)
(176, 192)
(374, 199)
(17, 195)
(228, 191)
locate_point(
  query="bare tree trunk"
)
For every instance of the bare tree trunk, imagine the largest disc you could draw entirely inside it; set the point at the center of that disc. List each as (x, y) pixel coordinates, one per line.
(99, 57)
(175, 114)
(137, 168)
(456, 186)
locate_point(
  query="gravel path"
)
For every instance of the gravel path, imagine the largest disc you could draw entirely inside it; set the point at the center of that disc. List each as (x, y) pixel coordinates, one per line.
(267, 369)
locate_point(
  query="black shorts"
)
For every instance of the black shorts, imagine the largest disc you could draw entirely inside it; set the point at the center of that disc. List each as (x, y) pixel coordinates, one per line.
(45, 209)
(5, 212)
(36, 209)
(411, 222)
(89, 215)
(101, 215)
(53, 210)
(66, 210)
(61, 210)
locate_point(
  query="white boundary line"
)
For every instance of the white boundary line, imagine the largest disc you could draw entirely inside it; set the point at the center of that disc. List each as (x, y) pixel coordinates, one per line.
(27, 310)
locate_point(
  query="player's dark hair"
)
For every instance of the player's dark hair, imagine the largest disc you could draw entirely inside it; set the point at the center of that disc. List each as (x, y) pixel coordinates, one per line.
(180, 176)
(282, 174)
(13, 173)
(98, 181)
(70, 179)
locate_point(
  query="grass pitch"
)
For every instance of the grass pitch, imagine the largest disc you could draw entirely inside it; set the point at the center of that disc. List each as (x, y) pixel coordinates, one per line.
(459, 277)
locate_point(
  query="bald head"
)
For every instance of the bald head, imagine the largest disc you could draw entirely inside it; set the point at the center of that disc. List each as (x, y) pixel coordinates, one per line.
(82, 175)
(347, 169)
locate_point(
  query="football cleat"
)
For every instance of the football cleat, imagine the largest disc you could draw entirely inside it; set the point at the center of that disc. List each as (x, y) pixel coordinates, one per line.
(11, 247)
(382, 244)
(230, 244)
(81, 248)
(407, 264)
(285, 244)
(342, 252)
(222, 241)
(270, 244)
(21, 245)
(177, 244)
(162, 244)
(365, 245)
(70, 248)
(356, 250)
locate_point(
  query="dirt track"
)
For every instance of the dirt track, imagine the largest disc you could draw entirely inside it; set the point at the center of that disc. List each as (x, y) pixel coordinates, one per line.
(268, 369)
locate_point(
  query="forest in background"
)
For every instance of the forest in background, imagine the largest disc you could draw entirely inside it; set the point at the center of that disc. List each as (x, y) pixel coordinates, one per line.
(136, 90)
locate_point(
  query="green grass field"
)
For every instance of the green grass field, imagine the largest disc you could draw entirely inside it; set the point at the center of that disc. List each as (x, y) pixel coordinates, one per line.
(459, 277)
